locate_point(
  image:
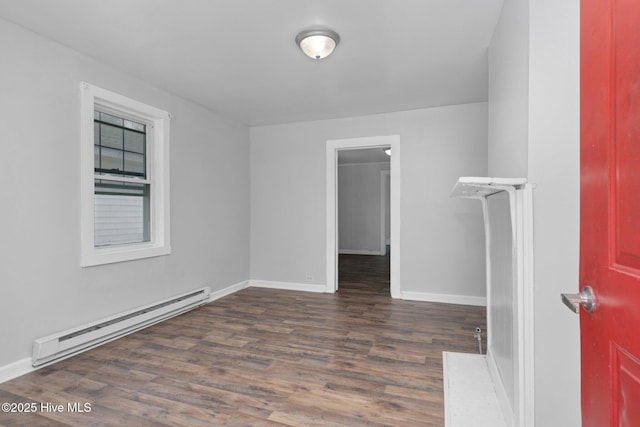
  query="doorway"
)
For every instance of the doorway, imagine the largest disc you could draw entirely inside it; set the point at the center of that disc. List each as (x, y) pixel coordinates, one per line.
(333, 148)
(363, 237)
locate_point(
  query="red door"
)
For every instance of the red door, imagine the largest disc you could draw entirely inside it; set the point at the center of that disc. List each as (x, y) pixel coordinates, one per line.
(610, 211)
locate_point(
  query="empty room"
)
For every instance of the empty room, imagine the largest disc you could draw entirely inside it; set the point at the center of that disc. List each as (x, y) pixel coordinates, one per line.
(317, 213)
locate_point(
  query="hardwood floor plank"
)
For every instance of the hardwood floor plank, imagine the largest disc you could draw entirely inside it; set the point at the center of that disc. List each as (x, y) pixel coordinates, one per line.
(267, 357)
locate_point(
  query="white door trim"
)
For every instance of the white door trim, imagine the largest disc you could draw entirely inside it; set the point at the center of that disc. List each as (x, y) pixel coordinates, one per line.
(333, 146)
(383, 213)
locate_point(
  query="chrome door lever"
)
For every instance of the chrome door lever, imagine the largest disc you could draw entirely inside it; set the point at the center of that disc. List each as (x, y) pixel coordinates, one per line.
(586, 298)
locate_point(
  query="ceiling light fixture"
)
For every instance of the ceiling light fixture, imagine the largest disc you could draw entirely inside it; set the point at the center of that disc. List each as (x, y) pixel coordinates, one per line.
(387, 151)
(317, 44)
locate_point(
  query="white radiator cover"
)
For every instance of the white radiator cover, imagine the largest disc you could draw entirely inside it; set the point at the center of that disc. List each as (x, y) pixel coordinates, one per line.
(67, 343)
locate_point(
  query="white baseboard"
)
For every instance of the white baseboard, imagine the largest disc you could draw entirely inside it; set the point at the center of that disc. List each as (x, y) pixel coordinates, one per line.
(358, 252)
(228, 290)
(15, 369)
(444, 298)
(289, 286)
(498, 385)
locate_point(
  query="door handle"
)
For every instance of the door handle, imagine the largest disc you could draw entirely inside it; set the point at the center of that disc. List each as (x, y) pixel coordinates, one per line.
(586, 298)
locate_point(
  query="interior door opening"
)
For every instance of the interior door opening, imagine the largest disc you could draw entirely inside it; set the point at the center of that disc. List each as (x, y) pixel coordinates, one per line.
(379, 143)
(363, 204)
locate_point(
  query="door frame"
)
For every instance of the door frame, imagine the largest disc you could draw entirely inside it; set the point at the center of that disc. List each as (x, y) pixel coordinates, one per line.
(383, 210)
(333, 146)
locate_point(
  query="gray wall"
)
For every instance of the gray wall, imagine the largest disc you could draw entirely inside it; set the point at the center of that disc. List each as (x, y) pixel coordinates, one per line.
(508, 92)
(442, 238)
(359, 212)
(538, 41)
(554, 166)
(44, 290)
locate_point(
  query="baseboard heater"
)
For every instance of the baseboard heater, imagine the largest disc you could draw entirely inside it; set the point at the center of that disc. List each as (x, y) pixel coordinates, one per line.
(65, 344)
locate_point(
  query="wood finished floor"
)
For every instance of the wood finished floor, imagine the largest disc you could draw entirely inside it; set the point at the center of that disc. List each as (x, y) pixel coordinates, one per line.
(267, 357)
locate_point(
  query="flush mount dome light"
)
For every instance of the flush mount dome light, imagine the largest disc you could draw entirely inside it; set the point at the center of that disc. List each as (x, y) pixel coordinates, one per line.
(317, 44)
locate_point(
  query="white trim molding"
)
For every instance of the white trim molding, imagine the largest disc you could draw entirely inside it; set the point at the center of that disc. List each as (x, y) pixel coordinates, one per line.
(445, 298)
(16, 369)
(333, 146)
(384, 175)
(157, 166)
(228, 290)
(288, 286)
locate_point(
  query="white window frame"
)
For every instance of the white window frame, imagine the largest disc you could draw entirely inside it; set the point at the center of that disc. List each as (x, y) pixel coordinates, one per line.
(157, 121)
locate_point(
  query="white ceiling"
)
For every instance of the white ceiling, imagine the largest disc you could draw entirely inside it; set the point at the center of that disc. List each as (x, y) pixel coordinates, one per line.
(238, 57)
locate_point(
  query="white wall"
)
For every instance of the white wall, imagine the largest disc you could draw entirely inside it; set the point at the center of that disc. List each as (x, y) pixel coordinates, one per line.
(547, 32)
(442, 238)
(554, 166)
(359, 207)
(44, 290)
(508, 92)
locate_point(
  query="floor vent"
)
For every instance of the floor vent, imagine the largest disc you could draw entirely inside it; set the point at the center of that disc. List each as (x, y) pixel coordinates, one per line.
(70, 342)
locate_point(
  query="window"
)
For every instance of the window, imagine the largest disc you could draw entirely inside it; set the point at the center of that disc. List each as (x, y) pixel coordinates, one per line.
(125, 178)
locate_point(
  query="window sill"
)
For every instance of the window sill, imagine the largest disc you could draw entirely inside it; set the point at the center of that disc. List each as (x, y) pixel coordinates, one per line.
(113, 254)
